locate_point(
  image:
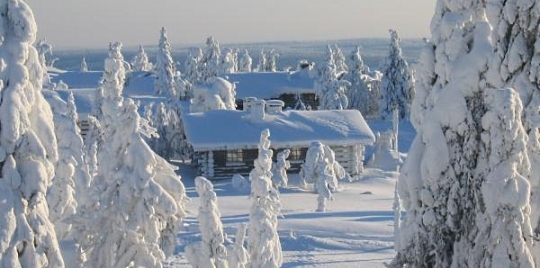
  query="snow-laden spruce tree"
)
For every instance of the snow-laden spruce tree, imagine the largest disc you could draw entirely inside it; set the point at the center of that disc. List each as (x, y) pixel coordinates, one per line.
(216, 94)
(331, 92)
(84, 65)
(92, 141)
(245, 62)
(140, 61)
(71, 181)
(505, 234)
(397, 82)
(141, 199)
(358, 92)
(210, 60)
(264, 246)
(27, 146)
(261, 65)
(165, 82)
(339, 60)
(271, 61)
(192, 66)
(517, 48)
(279, 169)
(461, 184)
(210, 252)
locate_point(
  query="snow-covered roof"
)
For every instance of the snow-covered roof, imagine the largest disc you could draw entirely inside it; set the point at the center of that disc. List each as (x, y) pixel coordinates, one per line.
(266, 85)
(230, 129)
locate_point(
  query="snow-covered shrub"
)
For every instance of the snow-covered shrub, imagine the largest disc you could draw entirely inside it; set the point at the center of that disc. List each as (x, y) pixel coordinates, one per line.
(216, 94)
(321, 169)
(140, 198)
(397, 82)
(264, 245)
(165, 83)
(210, 251)
(28, 148)
(140, 61)
(237, 254)
(279, 169)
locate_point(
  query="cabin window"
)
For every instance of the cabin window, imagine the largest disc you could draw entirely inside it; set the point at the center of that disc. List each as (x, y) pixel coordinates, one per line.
(235, 156)
(297, 154)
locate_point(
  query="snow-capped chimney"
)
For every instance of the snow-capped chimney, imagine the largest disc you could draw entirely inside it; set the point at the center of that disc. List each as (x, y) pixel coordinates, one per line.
(274, 106)
(256, 110)
(246, 106)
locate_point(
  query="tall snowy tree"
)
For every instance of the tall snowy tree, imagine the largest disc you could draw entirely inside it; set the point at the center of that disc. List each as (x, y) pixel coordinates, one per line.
(397, 82)
(71, 181)
(358, 92)
(140, 61)
(339, 60)
(466, 202)
(264, 245)
(192, 66)
(27, 146)
(211, 59)
(245, 62)
(210, 252)
(141, 199)
(165, 83)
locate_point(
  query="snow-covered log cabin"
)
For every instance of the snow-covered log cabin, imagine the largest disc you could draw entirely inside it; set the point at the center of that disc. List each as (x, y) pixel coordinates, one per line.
(224, 142)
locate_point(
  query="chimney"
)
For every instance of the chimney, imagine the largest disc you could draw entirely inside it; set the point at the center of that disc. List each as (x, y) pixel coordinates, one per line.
(256, 111)
(274, 106)
(246, 106)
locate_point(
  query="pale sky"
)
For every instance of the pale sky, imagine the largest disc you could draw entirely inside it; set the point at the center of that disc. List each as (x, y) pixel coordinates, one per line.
(95, 23)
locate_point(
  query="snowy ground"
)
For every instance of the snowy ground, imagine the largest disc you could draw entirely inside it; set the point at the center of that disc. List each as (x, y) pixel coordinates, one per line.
(356, 230)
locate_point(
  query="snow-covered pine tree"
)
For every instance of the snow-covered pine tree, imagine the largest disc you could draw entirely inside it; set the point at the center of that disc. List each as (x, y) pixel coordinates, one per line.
(339, 60)
(210, 252)
(27, 146)
(517, 48)
(245, 62)
(192, 66)
(92, 141)
(262, 61)
(330, 91)
(165, 83)
(71, 181)
(397, 82)
(228, 64)
(141, 199)
(210, 60)
(84, 66)
(461, 155)
(264, 245)
(358, 92)
(140, 61)
(271, 61)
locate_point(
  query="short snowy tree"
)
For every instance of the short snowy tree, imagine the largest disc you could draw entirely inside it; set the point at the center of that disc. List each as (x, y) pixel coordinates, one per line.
(192, 66)
(261, 65)
(84, 66)
(27, 146)
(210, 252)
(165, 83)
(331, 92)
(264, 246)
(466, 201)
(44, 48)
(228, 62)
(245, 62)
(92, 140)
(322, 169)
(141, 199)
(210, 62)
(140, 61)
(271, 61)
(397, 82)
(237, 254)
(279, 169)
